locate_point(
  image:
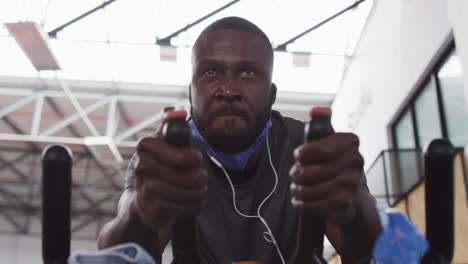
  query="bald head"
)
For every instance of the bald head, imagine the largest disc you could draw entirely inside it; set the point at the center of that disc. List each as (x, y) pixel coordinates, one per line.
(238, 24)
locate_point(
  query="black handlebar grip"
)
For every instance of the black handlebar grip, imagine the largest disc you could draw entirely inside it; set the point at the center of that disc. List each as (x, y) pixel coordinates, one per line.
(313, 227)
(319, 127)
(438, 160)
(184, 243)
(56, 194)
(177, 132)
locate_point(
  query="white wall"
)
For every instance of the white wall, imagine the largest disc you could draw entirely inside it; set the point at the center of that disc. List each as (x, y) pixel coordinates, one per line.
(398, 43)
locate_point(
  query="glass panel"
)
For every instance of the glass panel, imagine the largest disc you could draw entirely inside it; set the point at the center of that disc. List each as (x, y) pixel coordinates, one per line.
(404, 132)
(454, 100)
(409, 164)
(427, 115)
(405, 170)
(376, 179)
(404, 163)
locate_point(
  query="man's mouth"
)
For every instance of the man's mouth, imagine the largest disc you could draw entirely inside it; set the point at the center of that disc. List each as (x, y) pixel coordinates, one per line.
(230, 117)
(230, 113)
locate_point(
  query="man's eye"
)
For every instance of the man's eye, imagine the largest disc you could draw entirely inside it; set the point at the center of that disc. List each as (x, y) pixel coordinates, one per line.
(210, 72)
(248, 73)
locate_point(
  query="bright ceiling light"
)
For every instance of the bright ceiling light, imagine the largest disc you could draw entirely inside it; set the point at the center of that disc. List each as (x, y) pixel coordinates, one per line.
(33, 41)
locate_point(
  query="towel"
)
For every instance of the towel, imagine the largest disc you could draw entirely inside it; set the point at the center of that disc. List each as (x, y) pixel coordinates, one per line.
(400, 240)
(128, 253)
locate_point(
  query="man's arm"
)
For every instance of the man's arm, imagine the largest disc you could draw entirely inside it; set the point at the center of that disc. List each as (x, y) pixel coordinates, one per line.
(327, 182)
(356, 239)
(128, 227)
(170, 184)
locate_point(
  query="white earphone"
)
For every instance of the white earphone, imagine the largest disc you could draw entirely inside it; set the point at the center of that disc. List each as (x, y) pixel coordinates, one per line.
(268, 235)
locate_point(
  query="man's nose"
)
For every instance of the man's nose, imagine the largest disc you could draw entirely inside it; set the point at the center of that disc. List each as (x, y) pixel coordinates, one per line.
(229, 91)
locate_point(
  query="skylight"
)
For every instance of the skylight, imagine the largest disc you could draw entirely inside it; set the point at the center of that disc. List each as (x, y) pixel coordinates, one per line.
(118, 42)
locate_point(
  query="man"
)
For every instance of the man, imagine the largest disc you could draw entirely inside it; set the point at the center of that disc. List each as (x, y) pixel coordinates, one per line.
(243, 148)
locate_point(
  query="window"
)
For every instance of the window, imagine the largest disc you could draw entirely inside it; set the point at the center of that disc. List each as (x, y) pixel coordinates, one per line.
(404, 132)
(438, 109)
(454, 100)
(427, 115)
(405, 162)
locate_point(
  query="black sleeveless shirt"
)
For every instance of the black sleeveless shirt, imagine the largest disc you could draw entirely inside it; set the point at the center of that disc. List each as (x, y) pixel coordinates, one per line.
(225, 236)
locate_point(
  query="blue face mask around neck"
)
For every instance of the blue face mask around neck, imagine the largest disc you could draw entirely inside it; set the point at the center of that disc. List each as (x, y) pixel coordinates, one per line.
(231, 161)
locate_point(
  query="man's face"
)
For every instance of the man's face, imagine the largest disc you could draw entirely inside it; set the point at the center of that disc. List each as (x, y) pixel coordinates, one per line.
(231, 89)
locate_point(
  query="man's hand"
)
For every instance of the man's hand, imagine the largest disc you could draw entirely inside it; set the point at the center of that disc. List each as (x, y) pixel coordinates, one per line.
(326, 177)
(171, 182)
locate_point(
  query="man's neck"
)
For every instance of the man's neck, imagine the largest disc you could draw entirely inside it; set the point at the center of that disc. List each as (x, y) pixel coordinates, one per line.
(243, 176)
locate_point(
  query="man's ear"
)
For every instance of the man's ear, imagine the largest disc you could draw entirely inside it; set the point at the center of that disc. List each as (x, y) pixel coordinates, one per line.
(273, 93)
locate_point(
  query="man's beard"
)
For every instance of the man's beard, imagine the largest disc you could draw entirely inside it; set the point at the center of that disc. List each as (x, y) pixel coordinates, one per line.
(226, 142)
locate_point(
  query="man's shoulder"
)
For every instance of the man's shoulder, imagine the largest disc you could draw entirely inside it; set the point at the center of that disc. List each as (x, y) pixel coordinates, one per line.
(287, 122)
(288, 126)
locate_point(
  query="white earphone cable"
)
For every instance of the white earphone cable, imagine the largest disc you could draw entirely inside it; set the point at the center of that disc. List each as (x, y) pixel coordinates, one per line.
(268, 235)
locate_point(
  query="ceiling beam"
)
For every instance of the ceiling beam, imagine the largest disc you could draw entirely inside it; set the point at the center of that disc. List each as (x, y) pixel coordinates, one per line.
(167, 40)
(147, 122)
(18, 104)
(53, 33)
(282, 47)
(69, 120)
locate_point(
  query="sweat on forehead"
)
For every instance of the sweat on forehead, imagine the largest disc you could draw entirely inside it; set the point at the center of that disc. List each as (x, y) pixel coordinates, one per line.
(236, 23)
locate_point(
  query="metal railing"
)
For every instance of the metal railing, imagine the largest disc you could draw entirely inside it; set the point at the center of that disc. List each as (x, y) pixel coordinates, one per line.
(395, 173)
